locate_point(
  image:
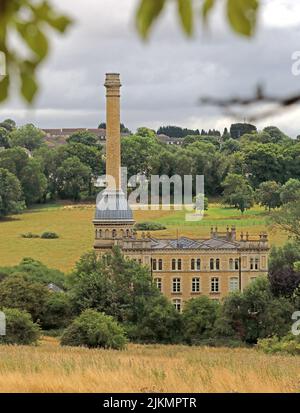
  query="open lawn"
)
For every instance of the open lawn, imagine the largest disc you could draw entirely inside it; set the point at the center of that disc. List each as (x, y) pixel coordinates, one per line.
(51, 368)
(74, 226)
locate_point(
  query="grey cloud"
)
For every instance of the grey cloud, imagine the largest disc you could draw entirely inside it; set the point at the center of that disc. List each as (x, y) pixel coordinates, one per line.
(163, 79)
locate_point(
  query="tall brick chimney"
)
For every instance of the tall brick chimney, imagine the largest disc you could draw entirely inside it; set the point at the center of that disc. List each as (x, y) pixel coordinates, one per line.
(113, 135)
(113, 220)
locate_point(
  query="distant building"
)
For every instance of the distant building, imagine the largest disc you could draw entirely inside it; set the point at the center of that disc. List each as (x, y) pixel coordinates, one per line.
(57, 137)
(181, 268)
(54, 288)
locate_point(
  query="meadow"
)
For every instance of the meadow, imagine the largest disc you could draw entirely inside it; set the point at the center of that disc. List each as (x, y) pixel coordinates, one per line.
(73, 223)
(152, 368)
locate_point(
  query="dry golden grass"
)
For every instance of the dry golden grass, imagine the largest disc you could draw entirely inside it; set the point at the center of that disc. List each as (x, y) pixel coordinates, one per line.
(50, 368)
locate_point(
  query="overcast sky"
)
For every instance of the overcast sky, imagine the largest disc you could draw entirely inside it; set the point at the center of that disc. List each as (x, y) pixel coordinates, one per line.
(163, 78)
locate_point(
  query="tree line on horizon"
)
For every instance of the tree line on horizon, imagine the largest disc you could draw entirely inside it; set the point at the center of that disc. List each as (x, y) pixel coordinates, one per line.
(240, 168)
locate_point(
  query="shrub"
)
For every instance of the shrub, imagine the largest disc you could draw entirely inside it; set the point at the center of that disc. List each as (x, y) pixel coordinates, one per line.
(57, 311)
(30, 235)
(149, 226)
(17, 292)
(159, 322)
(49, 235)
(251, 314)
(288, 344)
(35, 271)
(198, 319)
(93, 329)
(20, 329)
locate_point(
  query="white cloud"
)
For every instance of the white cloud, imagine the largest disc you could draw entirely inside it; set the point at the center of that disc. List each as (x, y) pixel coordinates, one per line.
(164, 78)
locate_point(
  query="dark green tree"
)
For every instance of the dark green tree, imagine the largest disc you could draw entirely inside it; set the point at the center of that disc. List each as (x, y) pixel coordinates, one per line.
(268, 195)
(237, 130)
(27, 136)
(290, 191)
(4, 138)
(84, 137)
(198, 319)
(17, 292)
(256, 313)
(238, 192)
(10, 194)
(73, 177)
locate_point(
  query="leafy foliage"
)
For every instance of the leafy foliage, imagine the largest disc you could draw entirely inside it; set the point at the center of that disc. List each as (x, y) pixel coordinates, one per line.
(20, 328)
(256, 313)
(30, 20)
(112, 284)
(93, 329)
(241, 15)
(17, 292)
(10, 193)
(268, 194)
(149, 226)
(198, 319)
(49, 235)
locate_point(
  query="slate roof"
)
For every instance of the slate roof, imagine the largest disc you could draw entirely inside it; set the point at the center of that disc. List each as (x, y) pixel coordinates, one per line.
(188, 243)
(112, 207)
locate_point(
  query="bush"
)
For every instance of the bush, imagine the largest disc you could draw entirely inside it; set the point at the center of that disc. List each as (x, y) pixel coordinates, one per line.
(92, 329)
(198, 319)
(30, 235)
(149, 226)
(49, 235)
(288, 344)
(35, 271)
(57, 311)
(251, 314)
(17, 292)
(159, 322)
(20, 329)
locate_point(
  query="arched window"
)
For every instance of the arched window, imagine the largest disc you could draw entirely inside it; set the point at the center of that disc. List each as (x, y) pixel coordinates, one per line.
(154, 267)
(231, 264)
(127, 232)
(198, 264)
(114, 233)
(160, 264)
(192, 264)
(106, 233)
(179, 264)
(256, 263)
(236, 264)
(217, 263)
(212, 264)
(173, 264)
(100, 233)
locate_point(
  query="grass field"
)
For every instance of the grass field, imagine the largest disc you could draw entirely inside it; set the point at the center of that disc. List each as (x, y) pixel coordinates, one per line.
(51, 368)
(74, 226)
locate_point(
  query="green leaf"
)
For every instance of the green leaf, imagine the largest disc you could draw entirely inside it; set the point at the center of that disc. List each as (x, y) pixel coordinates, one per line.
(45, 12)
(4, 88)
(60, 23)
(34, 38)
(242, 15)
(147, 13)
(185, 10)
(29, 85)
(206, 8)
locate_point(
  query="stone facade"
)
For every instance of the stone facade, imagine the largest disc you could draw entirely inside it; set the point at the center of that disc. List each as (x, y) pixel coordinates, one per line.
(182, 268)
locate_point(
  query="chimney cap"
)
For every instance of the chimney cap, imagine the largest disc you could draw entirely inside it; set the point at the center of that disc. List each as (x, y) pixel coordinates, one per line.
(112, 80)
